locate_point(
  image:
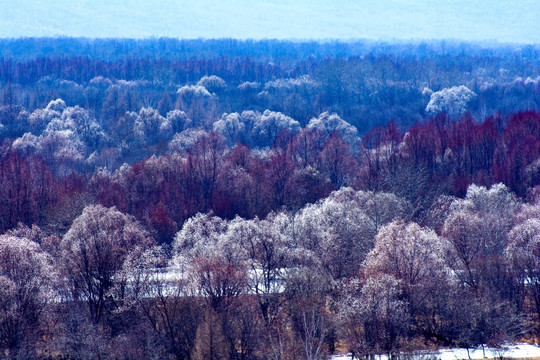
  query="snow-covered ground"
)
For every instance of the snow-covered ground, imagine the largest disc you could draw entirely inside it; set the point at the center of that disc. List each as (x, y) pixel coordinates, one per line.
(517, 351)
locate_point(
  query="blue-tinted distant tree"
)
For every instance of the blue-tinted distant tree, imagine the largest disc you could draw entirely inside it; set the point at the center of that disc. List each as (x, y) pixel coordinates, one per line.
(165, 104)
(232, 128)
(195, 101)
(182, 142)
(214, 84)
(85, 125)
(268, 127)
(179, 121)
(39, 119)
(329, 123)
(453, 101)
(151, 127)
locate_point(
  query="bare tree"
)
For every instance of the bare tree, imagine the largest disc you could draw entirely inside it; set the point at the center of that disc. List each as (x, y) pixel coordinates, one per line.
(93, 251)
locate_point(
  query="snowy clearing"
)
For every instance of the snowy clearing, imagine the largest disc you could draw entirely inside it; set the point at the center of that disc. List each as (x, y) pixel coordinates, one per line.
(517, 351)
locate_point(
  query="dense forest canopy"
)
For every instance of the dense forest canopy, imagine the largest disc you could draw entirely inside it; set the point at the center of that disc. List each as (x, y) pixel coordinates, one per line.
(266, 199)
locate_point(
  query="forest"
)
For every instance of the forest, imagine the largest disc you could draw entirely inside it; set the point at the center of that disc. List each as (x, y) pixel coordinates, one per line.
(227, 199)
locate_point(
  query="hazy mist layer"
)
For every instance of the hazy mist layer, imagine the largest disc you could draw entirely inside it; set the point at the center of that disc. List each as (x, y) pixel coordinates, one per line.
(504, 21)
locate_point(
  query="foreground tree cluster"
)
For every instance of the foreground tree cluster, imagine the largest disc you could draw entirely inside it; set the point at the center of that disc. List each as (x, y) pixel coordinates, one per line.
(350, 272)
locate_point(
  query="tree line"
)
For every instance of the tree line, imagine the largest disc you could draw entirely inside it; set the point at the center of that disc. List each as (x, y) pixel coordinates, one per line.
(365, 83)
(48, 179)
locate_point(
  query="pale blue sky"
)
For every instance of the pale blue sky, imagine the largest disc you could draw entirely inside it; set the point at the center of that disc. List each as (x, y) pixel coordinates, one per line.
(504, 21)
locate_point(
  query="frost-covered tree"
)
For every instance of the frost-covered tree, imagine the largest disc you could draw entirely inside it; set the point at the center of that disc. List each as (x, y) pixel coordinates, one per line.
(486, 302)
(271, 123)
(523, 252)
(204, 236)
(27, 288)
(199, 237)
(194, 100)
(416, 257)
(380, 207)
(57, 105)
(477, 228)
(495, 207)
(249, 86)
(374, 315)
(464, 232)
(498, 201)
(182, 142)
(329, 123)
(65, 137)
(190, 91)
(212, 83)
(268, 252)
(301, 83)
(213, 262)
(125, 132)
(151, 127)
(256, 253)
(337, 232)
(61, 147)
(179, 121)
(238, 127)
(341, 229)
(39, 118)
(58, 117)
(84, 124)
(452, 101)
(231, 127)
(25, 144)
(94, 250)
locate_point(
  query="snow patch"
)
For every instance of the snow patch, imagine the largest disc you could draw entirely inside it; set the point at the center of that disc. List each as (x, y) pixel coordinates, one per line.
(517, 351)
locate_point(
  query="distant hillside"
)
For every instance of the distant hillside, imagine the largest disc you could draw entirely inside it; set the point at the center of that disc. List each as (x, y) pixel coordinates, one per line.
(24, 49)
